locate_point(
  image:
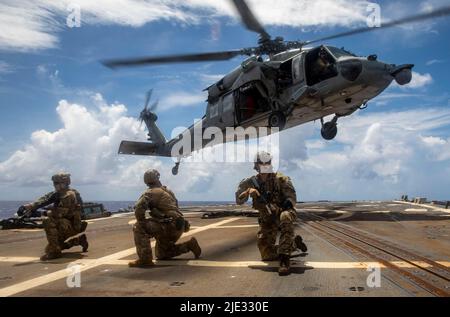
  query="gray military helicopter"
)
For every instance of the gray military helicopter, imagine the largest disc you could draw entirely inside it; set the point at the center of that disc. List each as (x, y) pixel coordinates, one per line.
(292, 85)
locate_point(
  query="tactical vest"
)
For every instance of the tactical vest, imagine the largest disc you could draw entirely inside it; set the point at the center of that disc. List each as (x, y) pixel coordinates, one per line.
(271, 188)
(68, 204)
(163, 203)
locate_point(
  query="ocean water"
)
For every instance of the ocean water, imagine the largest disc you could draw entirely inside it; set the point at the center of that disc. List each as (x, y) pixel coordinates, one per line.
(9, 208)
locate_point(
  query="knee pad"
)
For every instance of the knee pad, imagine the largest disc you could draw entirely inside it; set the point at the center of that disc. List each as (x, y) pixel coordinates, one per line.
(285, 217)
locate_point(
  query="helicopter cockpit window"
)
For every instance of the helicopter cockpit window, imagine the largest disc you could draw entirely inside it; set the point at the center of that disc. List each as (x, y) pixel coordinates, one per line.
(320, 65)
(339, 52)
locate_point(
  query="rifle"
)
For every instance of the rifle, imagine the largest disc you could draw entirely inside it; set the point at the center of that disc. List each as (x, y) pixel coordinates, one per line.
(21, 221)
(264, 196)
(23, 213)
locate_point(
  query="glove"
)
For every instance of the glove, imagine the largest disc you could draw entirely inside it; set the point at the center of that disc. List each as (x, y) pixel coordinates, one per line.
(187, 226)
(179, 223)
(287, 204)
(21, 211)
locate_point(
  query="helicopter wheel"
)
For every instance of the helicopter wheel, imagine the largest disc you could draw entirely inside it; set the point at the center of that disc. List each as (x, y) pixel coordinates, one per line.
(329, 130)
(277, 120)
(175, 168)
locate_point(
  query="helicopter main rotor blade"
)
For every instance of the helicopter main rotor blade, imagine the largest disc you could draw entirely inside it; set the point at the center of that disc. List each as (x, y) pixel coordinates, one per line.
(415, 18)
(249, 19)
(183, 58)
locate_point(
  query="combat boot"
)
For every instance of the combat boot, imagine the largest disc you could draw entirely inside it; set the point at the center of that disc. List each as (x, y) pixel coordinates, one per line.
(285, 265)
(141, 263)
(50, 256)
(84, 225)
(194, 247)
(83, 242)
(300, 244)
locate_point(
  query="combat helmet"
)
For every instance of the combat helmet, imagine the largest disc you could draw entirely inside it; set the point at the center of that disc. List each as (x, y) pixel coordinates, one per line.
(151, 176)
(262, 157)
(61, 178)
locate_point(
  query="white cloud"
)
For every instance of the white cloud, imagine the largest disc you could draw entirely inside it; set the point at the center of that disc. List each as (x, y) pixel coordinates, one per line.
(295, 13)
(380, 156)
(182, 99)
(86, 145)
(433, 61)
(209, 79)
(386, 97)
(439, 148)
(418, 81)
(34, 24)
(26, 25)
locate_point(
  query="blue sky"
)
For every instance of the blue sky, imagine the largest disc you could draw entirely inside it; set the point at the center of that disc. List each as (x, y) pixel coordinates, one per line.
(62, 110)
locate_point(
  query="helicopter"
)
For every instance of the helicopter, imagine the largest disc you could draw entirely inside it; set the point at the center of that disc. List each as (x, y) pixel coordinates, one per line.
(281, 84)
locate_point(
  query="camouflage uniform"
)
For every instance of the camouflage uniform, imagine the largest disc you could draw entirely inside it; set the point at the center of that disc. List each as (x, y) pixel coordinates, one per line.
(166, 225)
(282, 190)
(63, 221)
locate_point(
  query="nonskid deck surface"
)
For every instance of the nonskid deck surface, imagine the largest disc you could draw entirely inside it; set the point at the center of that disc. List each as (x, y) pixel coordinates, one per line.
(349, 243)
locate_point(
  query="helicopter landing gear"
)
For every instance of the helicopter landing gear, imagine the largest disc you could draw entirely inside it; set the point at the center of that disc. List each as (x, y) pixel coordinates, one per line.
(175, 168)
(329, 129)
(277, 120)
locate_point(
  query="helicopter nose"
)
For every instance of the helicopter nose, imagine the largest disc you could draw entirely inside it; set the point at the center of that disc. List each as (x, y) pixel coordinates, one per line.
(375, 73)
(402, 74)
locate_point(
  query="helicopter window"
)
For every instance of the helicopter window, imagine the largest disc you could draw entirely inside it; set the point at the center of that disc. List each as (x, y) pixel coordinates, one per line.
(251, 102)
(320, 66)
(339, 52)
(228, 102)
(213, 110)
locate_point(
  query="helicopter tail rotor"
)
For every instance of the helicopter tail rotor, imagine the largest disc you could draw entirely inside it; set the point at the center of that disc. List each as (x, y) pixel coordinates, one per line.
(149, 116)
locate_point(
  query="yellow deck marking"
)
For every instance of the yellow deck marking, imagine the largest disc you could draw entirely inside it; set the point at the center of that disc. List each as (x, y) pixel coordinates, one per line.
(207, 263)
(89, 264)
(18, 259)
(126, 214)
(315, 209)
(423, 206)
(237, 226)
(132, 222)
(120, 215)
(416, 209)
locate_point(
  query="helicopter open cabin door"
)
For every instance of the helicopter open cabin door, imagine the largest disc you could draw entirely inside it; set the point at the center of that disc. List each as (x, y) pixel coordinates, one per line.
(298, 71)
(251, 102)
(298, 76)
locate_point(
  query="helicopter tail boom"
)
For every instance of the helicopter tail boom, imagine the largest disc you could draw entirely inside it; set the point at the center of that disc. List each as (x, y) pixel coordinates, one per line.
(144, 148)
